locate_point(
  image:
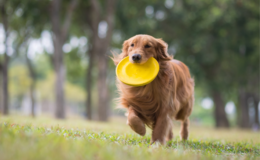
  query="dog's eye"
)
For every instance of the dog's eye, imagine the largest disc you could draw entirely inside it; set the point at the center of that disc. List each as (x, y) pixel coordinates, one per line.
(147, 46)
(132, 45)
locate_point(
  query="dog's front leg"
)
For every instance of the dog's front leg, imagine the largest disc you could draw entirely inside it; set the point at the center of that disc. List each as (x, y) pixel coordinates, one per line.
(169, 134)
(184, 133)
(161, 129)
(135, 122)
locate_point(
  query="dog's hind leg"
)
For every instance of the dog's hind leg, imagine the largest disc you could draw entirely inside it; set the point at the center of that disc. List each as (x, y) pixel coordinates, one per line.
(183, 116)
(184, 132)
(170, 133)
(135, 122)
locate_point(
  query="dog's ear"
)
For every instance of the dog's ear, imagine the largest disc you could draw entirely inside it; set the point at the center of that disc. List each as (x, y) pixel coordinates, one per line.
(161, 49)
(125, 47)
(117, 58)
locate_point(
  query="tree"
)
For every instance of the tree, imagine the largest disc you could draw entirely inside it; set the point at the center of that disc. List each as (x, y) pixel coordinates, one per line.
(222, 41)
(5, 60)
(59, 37)
(94, 19)
(1, 86)
(27, 26)
(207, 36)
(7, 9)
(247, 73)
(32, 73)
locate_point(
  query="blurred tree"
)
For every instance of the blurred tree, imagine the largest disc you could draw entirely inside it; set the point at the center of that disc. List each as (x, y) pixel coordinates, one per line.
(218, 40)
(246, 45)
(27, 26)
(5, 60)
(207, 36)
(100, 19)
(32, 73)
(19, 84)
(59, 37)
(75, 66)
(24, 27)
(221, 40)
(8, 18)
(201, 42)
(1, 86)
(256, 108)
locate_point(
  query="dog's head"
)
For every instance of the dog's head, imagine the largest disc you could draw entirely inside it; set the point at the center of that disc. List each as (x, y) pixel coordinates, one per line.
(141, 47)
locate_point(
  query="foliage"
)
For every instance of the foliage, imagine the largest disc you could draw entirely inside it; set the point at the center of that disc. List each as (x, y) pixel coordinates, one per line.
(75, 68)
(73, 92)
(19, 80)
(208, 36)
(218, 40)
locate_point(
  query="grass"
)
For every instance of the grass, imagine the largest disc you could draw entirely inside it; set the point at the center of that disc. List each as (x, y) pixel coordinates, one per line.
(46, 138)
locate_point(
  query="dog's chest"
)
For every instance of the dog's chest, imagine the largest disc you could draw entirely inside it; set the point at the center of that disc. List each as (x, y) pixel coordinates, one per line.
(150, 96)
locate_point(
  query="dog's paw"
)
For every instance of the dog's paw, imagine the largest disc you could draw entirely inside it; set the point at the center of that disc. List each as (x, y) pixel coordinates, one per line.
(137, 125)
(158, 142)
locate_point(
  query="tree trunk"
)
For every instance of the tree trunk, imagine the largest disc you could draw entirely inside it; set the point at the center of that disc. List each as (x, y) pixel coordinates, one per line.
(102, 89)
(32, 97)
(93, 17)
(256, 102)
(101, 52)
(103, 105)
(89, 86)
(58, 59)
(219, 112)
(59, 37)
(59, 90)
(1, 91)
(5, 86)
(32, 85)
(5, 62)
(244, 121)
(59, 82)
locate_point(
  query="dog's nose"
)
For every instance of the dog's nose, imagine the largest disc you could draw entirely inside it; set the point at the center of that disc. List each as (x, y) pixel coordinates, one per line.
(136, 57)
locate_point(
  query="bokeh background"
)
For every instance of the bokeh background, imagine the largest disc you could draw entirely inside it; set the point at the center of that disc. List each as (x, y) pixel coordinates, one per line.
(54, 55)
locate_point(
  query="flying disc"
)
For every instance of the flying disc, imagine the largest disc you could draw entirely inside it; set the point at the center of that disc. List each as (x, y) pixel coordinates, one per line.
(135, 74)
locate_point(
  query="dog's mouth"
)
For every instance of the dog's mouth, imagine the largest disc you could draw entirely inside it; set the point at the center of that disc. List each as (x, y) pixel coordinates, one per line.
(137, 62)
(137, 59)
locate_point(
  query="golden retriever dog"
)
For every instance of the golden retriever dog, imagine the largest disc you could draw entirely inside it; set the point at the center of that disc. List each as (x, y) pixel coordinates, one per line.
(169, 96)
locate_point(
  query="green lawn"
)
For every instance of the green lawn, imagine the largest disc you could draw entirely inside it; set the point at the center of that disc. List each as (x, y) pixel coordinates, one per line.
(46, 138)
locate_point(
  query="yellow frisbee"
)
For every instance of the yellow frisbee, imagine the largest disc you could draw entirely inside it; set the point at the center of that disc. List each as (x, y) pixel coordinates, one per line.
(135, 74)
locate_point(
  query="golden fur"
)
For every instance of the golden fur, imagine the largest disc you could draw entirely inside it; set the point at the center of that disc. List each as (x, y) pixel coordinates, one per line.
(169, 96)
